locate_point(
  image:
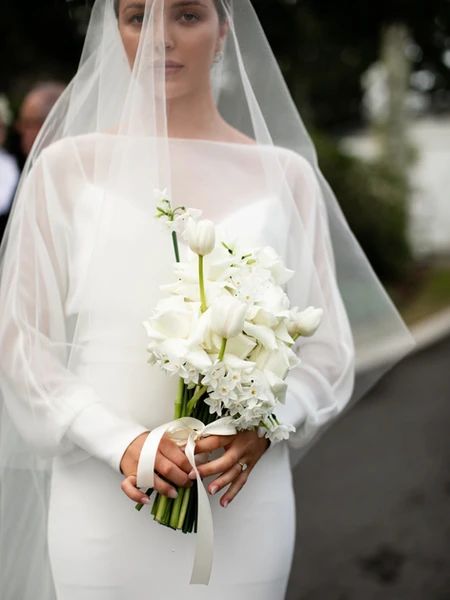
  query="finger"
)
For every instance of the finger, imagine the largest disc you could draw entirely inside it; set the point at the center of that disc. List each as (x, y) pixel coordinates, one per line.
(164, 488)
(172, 452)
(235, 487)
(219, 465)
(213, 442)
(224, 479)
(170, 471)
(128, 486)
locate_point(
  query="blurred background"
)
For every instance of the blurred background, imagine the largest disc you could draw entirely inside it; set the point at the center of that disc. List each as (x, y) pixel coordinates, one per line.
(372, 83)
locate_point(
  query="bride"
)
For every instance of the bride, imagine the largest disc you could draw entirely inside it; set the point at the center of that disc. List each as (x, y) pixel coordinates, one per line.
(184, 96)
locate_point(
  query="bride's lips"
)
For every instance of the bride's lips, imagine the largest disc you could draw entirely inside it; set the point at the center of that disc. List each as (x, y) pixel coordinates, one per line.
(170, 65)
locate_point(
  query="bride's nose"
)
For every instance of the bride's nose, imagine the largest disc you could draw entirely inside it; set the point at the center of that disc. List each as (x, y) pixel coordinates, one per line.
(163, 35)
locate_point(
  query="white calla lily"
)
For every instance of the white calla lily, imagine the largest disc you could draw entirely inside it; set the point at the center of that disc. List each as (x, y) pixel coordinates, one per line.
(269, 259)
(240, 345)
(262, 334)
(278, 385)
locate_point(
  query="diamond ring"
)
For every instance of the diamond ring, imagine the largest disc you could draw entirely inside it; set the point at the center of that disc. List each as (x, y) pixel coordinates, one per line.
(244, 466)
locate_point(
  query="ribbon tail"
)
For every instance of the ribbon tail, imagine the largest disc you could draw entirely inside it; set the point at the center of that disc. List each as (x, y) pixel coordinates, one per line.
(201, 570)
(145, 475)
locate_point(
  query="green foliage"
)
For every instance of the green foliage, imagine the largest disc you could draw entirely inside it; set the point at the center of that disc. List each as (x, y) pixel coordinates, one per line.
(373, 197)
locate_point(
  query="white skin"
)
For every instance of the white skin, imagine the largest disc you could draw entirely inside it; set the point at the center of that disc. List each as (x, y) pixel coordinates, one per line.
(193, 34)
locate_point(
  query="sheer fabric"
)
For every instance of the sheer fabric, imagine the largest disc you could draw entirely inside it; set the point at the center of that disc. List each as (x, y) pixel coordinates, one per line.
(81, 265)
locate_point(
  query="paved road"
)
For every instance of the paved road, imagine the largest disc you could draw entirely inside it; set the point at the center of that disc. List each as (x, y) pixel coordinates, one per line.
(373, 495)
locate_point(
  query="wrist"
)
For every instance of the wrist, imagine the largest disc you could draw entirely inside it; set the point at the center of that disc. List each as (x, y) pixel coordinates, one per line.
(132, 452)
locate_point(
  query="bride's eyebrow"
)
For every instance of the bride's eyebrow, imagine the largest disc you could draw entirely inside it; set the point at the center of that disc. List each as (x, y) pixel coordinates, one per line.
(183, 3)
(180, 3)
(135, 5)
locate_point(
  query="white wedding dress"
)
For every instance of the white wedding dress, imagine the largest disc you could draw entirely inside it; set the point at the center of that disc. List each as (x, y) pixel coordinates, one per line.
(100, 547)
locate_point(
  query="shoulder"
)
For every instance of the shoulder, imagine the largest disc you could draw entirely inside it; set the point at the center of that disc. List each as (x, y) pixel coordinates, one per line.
(301, 173)
(81, 147)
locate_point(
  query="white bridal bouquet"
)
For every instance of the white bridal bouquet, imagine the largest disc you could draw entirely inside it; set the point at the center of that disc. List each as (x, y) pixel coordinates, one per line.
(227, 330)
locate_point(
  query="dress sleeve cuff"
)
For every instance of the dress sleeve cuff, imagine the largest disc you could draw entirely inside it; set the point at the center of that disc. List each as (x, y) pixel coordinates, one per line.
(103, 434)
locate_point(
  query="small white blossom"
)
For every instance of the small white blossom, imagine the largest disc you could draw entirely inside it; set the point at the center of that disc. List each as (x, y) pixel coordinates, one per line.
(280, 432)
(214, 374)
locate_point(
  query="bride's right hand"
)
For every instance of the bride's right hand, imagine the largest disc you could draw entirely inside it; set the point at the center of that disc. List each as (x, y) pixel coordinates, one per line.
(171, 463)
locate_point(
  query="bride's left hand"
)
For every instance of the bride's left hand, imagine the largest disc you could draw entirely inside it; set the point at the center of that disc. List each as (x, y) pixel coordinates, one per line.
(244, 447)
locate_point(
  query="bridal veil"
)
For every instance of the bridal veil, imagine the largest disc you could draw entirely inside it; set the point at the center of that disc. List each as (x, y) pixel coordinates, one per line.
(81, 236)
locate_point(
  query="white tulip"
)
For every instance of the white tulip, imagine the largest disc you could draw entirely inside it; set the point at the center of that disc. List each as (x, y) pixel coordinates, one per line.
(228, 316)
(306, 322)
(200, 236)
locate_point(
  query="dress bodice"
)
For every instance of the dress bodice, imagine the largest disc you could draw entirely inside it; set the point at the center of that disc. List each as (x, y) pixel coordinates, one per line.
(110, 303)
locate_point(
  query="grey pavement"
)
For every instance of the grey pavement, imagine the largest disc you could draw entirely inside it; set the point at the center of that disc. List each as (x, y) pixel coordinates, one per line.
(373, 495)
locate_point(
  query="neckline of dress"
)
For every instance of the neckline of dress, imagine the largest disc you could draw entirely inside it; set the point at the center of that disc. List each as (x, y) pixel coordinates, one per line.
(195, 140)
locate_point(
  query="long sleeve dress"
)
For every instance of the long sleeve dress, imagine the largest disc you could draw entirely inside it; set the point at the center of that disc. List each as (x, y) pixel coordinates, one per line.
(76, 381)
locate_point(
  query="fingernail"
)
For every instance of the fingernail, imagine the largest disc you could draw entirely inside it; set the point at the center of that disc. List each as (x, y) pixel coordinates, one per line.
(173, 494)
(225, 503)
(145, 500)
(192, 475)
(213, 489)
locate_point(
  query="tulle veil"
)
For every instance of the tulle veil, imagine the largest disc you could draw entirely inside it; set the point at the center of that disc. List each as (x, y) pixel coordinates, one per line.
(82, 221)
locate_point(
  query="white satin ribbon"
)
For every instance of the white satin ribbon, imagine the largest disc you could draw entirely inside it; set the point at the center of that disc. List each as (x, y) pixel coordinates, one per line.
(185, 432)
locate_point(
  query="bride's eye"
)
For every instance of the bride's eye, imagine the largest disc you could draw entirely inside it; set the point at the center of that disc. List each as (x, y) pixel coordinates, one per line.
(189, 18)
(137, 19)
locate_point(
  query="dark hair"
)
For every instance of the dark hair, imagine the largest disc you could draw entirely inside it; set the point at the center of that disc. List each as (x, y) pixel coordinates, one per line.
(221, 7)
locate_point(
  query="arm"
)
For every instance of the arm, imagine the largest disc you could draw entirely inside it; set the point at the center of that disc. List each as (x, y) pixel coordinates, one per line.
(50, 406)
(322, 384)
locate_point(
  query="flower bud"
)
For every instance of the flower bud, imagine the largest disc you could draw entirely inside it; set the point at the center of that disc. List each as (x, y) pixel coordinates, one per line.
(306, 322)
(200, 236)
(228, 316)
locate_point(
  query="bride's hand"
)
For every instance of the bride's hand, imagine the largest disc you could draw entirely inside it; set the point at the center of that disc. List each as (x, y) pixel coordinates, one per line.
(244, 447)
(171, 463)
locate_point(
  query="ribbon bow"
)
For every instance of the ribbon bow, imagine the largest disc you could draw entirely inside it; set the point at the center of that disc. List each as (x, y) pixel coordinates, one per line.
(185, 432)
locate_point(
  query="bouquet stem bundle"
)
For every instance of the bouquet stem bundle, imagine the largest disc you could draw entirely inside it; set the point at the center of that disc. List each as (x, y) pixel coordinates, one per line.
(181, 512)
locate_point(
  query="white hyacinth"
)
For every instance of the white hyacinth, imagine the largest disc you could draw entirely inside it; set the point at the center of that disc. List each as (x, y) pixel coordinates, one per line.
(176, 219)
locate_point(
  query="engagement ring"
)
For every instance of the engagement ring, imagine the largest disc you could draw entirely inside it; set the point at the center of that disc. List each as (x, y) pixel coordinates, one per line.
(244, 466)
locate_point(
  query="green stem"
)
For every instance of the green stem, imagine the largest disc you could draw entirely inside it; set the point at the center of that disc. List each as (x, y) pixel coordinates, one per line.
(175, 515)
(161, 508)
(139, 505)
(168, 512)
(185, 400)
(175, 245)
(202, 284)
(199, 390)
(155, 505)
(178, 407)
(184, 507)
(222, 348)
(191, 511)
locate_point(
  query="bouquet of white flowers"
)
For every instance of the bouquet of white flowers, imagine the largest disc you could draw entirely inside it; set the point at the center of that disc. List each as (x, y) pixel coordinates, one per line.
(227, 330)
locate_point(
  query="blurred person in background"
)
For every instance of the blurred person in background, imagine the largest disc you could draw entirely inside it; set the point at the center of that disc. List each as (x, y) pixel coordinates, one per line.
(33, 111)
(35, 108)
(9, 171)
